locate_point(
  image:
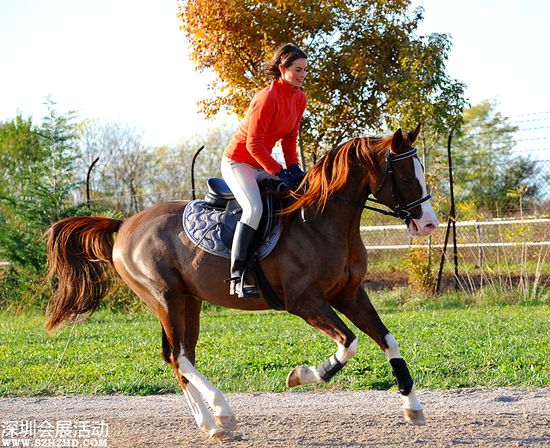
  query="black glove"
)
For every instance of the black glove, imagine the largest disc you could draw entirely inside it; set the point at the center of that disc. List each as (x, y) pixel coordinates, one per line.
(297, 172)
(288, 178)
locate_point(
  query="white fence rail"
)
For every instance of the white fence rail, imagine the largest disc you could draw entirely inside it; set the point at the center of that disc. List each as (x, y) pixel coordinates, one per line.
(478, 238)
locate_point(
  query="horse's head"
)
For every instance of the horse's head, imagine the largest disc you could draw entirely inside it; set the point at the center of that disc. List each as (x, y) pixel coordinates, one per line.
(403, 186)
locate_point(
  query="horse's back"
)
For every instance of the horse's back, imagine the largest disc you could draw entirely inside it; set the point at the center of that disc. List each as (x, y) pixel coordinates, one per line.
(155, 215)
(152, 230)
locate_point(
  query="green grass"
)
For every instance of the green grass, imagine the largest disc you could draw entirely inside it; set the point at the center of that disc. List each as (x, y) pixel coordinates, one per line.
(446, 346)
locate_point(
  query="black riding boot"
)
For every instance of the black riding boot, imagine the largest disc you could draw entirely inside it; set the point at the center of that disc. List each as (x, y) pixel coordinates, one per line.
(243, 245)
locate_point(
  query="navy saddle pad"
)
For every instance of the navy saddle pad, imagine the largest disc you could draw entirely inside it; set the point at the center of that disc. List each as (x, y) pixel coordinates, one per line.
(210, 223)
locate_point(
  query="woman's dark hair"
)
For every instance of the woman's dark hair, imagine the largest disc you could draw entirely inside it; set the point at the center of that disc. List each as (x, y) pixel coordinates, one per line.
(285, 55)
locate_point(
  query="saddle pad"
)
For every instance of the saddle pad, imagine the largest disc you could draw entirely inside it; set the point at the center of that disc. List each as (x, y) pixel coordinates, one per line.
(202, 224)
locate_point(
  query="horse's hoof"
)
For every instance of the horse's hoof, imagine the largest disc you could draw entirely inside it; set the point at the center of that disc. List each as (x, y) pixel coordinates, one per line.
(226, 422)
(293, 378)
(416, 417)
(303, 375)
(218, 433)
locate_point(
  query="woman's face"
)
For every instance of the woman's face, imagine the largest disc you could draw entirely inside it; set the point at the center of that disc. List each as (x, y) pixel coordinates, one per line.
(295, 74)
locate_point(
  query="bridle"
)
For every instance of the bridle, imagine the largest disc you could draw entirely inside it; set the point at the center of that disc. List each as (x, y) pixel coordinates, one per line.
(398, 210)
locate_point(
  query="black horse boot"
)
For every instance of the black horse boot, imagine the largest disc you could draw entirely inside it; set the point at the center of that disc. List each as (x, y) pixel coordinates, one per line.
(241, 251)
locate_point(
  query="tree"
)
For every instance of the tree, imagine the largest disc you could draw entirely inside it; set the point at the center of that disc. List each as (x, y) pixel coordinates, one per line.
(20, 150)
(174, 163)
(485, 167)
(45, 194)
(367, 69)
(125, 172)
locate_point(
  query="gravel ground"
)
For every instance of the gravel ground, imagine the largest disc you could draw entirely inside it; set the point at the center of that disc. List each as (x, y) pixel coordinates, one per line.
(455, 418)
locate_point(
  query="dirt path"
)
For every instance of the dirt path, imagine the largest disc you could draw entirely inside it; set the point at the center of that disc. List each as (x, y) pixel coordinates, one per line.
(459, 418)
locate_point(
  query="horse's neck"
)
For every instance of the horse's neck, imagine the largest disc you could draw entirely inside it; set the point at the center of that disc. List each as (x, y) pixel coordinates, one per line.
(343, 210)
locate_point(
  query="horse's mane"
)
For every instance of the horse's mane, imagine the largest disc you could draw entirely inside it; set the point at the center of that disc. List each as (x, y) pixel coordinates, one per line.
(330, 174)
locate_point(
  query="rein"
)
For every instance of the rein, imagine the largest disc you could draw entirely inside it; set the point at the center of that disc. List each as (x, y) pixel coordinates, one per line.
(397, 210)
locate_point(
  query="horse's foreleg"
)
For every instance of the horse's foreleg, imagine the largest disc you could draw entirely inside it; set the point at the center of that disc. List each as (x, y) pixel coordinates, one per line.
(412, 408)
(321, 316)
(360, 311)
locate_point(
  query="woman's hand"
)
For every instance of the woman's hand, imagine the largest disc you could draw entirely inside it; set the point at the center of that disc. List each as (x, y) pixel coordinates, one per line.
(287, 178)
(297, 172)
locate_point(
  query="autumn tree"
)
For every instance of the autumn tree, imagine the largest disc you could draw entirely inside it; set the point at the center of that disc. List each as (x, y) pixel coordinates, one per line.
(368, 70)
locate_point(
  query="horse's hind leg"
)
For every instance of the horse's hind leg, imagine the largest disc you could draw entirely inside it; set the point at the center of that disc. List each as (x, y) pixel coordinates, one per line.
(180, 335)
(318, 313)
(200, 412)
(360, 311)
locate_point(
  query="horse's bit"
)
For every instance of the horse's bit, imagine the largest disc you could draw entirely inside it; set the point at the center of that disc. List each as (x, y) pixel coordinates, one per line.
(397, 210)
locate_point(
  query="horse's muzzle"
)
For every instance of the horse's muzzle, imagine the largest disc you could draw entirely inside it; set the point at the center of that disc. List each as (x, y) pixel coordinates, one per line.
(424, 226)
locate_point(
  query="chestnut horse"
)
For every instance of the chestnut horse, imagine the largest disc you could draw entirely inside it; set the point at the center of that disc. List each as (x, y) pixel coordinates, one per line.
(316, 269)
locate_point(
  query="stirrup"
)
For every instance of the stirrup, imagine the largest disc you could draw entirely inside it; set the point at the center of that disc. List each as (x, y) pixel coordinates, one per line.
(235, 288)
(233, 281)
(246, 292)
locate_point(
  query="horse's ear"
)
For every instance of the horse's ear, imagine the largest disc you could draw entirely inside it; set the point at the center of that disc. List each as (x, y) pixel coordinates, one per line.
(414, 134)
(396, 140)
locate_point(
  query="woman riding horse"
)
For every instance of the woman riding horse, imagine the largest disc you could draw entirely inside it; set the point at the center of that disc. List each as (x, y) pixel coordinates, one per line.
(317, 268)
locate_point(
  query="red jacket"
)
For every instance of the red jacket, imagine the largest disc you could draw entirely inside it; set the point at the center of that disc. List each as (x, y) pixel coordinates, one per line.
(274, 114)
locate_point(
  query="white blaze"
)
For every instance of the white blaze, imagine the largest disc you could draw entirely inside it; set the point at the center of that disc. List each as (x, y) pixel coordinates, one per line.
(428, 221)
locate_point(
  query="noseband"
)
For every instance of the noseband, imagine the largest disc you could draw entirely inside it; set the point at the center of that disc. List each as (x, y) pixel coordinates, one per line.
(398, 210)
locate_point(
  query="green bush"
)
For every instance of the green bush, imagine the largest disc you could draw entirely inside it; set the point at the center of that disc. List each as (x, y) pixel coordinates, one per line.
(419, 267)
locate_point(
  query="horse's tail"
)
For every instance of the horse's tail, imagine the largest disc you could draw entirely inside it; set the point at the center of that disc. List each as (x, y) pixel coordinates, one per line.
(80, 258)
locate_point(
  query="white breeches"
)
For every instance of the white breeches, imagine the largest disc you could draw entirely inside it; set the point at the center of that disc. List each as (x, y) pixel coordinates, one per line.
(243, 179)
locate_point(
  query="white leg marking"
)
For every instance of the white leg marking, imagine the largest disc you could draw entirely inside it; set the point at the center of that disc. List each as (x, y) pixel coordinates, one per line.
(202, 416)
(345, 354)
(409, 401)
(393, 349)
(211, 394)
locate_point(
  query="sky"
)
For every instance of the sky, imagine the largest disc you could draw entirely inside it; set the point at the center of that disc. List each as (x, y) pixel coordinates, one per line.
(126, 61)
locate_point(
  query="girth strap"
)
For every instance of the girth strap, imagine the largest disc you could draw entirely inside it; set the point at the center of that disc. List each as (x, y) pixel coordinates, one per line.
(264, 286)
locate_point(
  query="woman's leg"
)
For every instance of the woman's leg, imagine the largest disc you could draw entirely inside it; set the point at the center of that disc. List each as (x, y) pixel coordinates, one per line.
(242, 180)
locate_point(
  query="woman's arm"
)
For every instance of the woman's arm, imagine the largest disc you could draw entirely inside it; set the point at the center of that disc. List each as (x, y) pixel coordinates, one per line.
(261, 114)
(288, 143)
